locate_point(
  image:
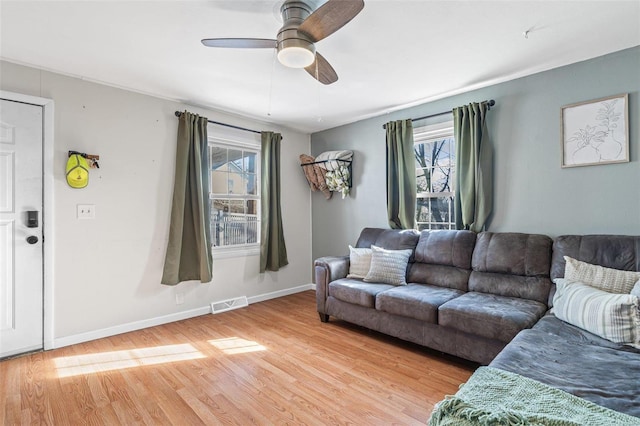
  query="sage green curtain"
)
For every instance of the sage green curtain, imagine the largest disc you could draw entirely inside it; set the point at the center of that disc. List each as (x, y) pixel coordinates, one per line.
(401, 175)
(273, 251)
(474, 166)
(189, 249)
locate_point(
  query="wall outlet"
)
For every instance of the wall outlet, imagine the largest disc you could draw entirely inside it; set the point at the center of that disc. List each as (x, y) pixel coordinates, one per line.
(86, 211)
(179, 298)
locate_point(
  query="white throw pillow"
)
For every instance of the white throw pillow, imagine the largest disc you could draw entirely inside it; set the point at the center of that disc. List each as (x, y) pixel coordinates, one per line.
(636, 290)
(615, 317)
(388, 266)
(607, 279)
(359, 262)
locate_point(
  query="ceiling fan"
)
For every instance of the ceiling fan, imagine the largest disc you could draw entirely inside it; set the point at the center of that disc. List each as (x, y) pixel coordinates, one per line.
(302, 28)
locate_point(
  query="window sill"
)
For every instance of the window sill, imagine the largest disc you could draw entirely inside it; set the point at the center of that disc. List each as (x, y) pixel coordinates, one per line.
(230, 252)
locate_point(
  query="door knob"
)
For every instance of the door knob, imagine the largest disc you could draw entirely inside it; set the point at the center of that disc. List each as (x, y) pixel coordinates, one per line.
(32, 239)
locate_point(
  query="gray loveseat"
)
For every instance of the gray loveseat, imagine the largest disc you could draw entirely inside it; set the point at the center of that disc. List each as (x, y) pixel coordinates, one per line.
(486, 298)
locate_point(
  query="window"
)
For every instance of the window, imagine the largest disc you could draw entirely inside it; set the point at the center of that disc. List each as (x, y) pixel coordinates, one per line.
(234, 193)
(434, 149)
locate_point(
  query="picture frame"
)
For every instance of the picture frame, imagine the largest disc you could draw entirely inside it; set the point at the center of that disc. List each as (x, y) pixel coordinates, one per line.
(595, 132)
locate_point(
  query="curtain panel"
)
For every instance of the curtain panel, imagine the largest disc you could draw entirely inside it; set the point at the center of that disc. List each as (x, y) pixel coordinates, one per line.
(474, 166)
(188, 254)
(273, 251)
(401, 175)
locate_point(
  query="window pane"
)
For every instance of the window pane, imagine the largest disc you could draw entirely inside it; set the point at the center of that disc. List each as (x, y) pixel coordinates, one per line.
(252, 207)
(228, 222)
(422, 153)
(451, 151)
(250, 162)
(422, 210)
(440, 210)
(440, 179)
(442, 153)
(235, 160)
(218, 157)
(219, 182)
(235, 182)
(422, 180)
(250, 184)
(252, 221)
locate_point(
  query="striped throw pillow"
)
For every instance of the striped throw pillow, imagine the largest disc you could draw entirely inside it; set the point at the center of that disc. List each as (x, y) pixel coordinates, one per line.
(359, 262)
(607, 279)
(388, 266)
(615, 317)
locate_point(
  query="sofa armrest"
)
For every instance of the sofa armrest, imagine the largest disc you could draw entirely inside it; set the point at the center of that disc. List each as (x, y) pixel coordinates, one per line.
(327, 269)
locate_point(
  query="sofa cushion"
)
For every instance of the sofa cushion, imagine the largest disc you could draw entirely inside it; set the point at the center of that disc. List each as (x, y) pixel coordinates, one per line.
(532, 288)
(512, 265)
(555, 353)
(390, 239)
(449, 248)
(356, 292)
(440, 275)
(388, 266)
(489, 315)
(443, 258)
(415, 301)
(513, 253)
(611, 251)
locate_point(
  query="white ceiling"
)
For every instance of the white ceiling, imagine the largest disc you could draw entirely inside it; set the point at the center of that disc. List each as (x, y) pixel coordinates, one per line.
(394, 54)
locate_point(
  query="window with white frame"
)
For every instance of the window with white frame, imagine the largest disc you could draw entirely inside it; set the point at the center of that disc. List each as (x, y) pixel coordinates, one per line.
(234, 169)
(434, 149)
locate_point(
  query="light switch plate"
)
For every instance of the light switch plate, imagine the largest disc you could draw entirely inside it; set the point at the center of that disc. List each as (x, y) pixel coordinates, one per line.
(86, 211)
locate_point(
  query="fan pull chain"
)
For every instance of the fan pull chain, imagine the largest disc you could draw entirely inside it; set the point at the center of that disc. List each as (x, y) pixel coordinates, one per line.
(318, 91)
(273, 70)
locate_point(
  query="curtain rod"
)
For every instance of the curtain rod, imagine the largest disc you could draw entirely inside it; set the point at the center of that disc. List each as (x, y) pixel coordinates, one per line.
(490, 102)
(178, 114)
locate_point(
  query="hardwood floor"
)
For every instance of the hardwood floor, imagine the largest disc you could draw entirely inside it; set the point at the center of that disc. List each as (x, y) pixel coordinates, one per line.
(271, 363)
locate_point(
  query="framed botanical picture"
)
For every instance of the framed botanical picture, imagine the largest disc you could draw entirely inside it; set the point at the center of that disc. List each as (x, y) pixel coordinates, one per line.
(595, 132)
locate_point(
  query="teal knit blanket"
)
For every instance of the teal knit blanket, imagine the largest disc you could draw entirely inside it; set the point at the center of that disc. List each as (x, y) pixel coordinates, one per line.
(496, 397)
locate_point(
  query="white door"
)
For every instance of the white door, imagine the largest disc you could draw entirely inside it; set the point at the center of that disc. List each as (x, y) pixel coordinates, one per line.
(21, 249)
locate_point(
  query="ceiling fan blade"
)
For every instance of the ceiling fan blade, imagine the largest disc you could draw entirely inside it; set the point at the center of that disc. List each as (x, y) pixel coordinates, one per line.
(242, 43)
(330, 17)
(322, 71)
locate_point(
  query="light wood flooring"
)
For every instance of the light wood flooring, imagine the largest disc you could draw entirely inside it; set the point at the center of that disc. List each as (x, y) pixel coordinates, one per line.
(271, 363)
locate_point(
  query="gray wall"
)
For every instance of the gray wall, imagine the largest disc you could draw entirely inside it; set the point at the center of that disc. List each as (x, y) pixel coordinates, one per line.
(532, 193)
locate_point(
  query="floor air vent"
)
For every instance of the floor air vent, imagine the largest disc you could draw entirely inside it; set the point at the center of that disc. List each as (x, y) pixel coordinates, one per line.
(228, 305)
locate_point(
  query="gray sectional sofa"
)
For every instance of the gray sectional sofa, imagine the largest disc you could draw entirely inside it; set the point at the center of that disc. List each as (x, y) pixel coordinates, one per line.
(486, 298)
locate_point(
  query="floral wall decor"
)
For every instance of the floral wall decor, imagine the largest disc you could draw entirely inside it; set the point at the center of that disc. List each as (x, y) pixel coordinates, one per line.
(595, 132)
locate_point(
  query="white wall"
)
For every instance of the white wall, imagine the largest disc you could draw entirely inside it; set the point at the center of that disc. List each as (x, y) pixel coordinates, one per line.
(107, 271)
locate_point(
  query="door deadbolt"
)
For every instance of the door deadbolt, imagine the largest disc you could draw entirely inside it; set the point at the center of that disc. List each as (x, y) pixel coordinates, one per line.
(32, 219)
(32, 239)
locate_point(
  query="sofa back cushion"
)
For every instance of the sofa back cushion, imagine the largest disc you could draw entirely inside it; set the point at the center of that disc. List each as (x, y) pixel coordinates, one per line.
(389, 239)
(611, 251)
(512, 264)
(443, 258)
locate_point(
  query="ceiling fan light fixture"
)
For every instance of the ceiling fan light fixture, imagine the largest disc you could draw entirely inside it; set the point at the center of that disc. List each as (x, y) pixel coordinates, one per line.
(296, 53)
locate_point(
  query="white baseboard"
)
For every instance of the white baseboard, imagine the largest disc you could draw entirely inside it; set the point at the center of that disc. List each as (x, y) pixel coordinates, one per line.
(281, 293)
(152, 322)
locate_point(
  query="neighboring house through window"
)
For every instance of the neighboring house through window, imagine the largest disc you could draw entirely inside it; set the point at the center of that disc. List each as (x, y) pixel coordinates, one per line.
(434, 149)
(234, 163)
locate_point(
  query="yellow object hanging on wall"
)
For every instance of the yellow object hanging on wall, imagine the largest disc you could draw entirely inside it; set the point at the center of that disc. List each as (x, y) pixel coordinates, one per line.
(77, 171)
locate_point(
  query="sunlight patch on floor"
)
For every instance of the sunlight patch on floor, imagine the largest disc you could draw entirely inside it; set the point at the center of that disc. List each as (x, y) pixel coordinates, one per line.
(236, 345)
(106, 361)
